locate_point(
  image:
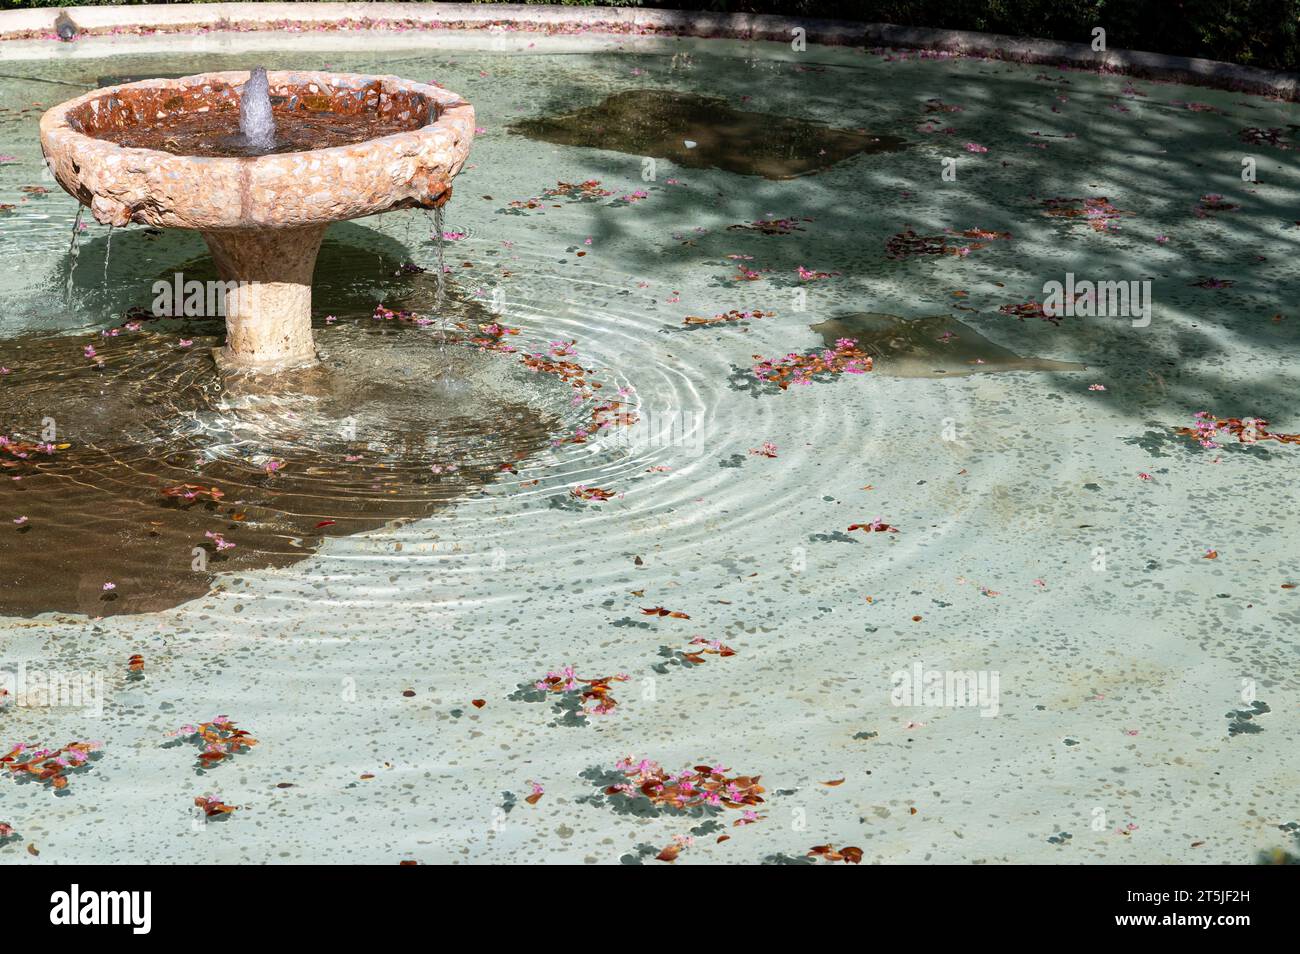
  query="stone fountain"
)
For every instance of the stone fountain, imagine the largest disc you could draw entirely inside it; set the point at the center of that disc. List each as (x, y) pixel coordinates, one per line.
(197, 153)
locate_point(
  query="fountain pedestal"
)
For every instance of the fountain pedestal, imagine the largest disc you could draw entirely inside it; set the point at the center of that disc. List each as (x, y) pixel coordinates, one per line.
(268, 295)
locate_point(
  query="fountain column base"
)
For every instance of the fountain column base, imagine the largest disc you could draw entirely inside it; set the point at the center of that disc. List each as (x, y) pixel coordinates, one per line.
(268, 295)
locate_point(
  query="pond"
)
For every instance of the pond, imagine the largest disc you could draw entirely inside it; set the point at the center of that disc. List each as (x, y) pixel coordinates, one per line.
(741, 399)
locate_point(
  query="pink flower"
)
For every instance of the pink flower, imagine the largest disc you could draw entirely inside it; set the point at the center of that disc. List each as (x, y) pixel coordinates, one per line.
(976, 147)
(221, 542)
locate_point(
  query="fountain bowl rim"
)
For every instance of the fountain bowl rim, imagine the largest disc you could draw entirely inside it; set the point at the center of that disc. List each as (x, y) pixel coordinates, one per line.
(441, 145)
(57, 116)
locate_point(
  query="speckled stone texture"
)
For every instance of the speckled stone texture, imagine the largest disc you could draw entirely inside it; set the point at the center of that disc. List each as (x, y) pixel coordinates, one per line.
(231, 200)
(268, 314)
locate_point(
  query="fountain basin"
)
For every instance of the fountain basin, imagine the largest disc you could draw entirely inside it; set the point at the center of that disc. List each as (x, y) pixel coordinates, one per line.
(262, 216)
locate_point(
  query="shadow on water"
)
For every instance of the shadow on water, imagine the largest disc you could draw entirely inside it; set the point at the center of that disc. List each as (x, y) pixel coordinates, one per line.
(1178, 365)
(132, 461)
(1185, 361)
(113, 273)
(932, 347)
(101, 495)
(703, 132)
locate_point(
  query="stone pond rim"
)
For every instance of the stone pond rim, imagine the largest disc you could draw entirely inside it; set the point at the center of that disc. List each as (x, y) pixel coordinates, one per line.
(262, 217)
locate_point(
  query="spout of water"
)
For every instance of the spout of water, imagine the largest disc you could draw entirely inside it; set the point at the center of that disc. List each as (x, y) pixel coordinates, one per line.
(255, 122)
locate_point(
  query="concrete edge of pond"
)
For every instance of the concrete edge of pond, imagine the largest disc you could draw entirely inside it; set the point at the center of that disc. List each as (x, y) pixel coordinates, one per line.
(40, 25)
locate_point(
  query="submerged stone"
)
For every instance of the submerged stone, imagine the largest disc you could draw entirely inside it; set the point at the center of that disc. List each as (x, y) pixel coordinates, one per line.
(931, 347)
(660, 123)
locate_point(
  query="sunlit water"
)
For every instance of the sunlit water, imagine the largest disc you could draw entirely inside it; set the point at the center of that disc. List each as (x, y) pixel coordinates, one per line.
(429, 520)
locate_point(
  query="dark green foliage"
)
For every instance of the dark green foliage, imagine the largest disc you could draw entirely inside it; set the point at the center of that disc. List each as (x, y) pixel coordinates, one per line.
(1261, 33)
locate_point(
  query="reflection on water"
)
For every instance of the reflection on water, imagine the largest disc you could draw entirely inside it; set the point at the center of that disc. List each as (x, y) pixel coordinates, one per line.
(704, 131)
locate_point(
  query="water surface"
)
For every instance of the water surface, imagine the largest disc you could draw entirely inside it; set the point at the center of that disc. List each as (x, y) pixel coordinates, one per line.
(1052, 524)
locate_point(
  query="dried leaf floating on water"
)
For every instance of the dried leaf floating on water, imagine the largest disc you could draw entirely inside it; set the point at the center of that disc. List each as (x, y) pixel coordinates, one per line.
(727, 316)
(213, 806)
(588, 191)
(710, 647)
(49, 766)
(20, 453)
(849, 854)
(582, 492)
(217, 740)
(1096, 211)
(669, 853)
(1211, 204)
(845, 358)
(1032, 309)
(660, 611)
(193, 492)
(1247, 430)
(1256, 136)
(907, 244)
(608, 414)
(874, 526)
(702, 786)
(771, 226)
(595, 694)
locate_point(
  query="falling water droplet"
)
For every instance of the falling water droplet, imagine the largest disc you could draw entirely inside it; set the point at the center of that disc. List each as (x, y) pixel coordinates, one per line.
(73, 250)
(439, 227)
(108, 251)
